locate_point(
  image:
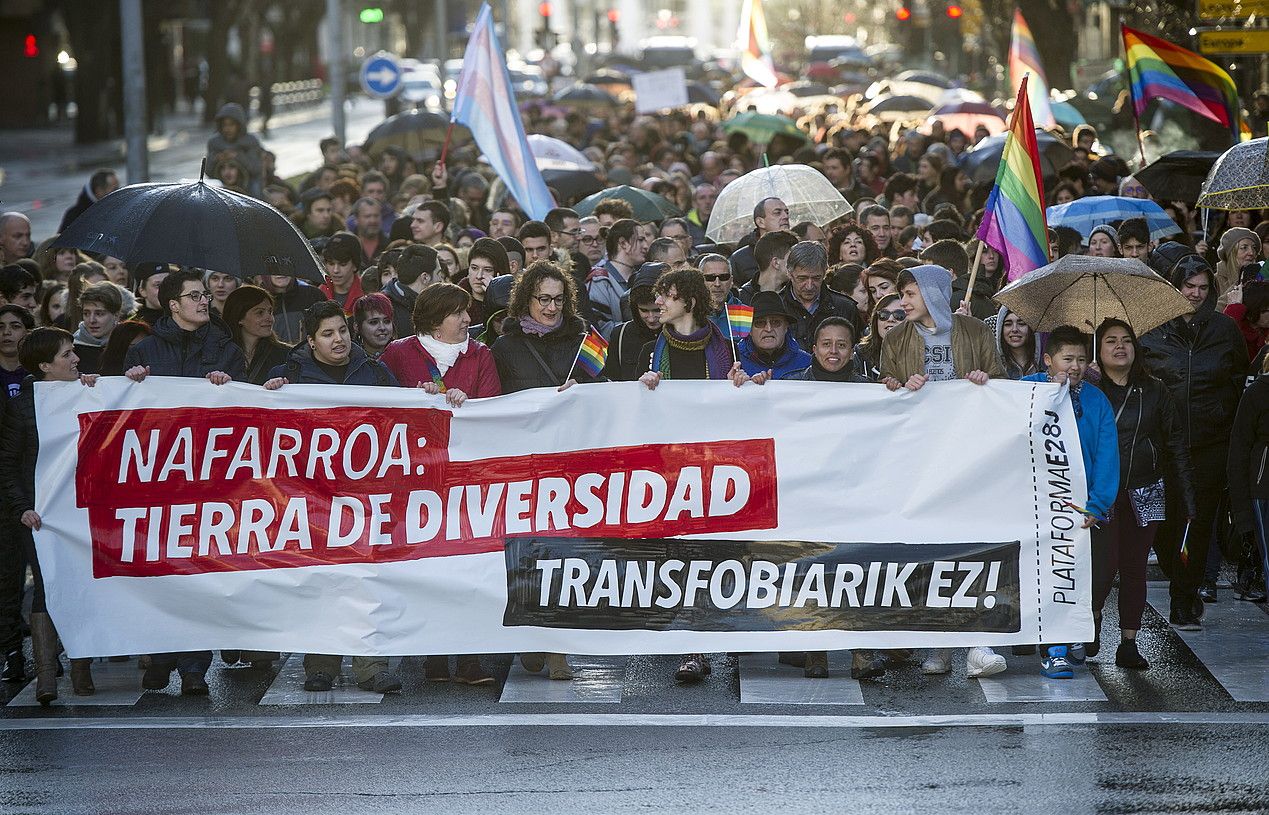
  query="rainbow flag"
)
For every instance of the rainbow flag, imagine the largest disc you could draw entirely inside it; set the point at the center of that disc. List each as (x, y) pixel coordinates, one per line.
(1157, 69)
(739, 320)
(1024, 59)
(593, 353)
(1014, 221)
(754, 47)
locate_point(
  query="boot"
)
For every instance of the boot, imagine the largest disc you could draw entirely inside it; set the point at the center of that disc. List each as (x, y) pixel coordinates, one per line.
(1250, 583)
(44, 643)
(82, 677)
(559, 667)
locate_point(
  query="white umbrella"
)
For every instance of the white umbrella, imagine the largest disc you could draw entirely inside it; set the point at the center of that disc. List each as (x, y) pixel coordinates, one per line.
(809, 195)
(547, 149)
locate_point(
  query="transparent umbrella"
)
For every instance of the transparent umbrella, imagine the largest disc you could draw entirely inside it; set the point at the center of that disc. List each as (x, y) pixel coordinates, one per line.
(810, 196)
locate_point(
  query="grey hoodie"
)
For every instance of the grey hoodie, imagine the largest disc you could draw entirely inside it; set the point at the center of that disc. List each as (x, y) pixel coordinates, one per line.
(936, 289)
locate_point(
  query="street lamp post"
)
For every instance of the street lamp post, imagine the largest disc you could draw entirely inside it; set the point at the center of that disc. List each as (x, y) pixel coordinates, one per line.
(337, 69)
(134, 124)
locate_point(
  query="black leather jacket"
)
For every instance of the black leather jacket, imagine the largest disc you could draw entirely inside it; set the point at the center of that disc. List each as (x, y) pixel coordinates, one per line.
(1151, 439)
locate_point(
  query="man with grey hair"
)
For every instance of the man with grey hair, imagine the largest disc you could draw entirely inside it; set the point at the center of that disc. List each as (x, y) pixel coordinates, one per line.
(589, 241)
(808, 298)
(15, 237)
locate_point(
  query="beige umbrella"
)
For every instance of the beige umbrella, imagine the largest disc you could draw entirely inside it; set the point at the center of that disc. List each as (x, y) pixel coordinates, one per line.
(1082, 291)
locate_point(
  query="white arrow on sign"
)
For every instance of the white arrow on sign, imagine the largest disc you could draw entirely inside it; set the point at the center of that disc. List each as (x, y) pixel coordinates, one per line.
(382, 76)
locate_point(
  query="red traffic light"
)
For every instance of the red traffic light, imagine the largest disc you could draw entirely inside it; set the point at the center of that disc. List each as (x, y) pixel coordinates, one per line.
(30, 48)
(954, 11)
(903, 14)
(544, 9)
(613, 15)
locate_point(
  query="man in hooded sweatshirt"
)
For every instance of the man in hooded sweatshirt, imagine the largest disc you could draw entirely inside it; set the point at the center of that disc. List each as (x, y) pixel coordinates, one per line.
(935, 345)
(1202, 358)
(232, 142)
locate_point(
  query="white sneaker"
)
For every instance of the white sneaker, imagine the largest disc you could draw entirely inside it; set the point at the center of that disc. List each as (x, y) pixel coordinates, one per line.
(938, 662)
(982, 661)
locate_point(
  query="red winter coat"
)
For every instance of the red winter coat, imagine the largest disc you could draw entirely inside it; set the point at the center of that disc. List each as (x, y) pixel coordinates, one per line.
(474, 372)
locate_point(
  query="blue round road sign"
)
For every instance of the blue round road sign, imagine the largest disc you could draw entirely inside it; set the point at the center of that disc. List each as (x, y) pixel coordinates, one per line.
(381, 75)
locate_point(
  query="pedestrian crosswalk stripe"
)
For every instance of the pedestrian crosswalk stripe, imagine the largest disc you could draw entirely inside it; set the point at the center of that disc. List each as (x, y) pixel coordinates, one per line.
(287, 688)
(1232, 644)
(764, 681)
(596, 680)
(1022, 682)
(118, 685)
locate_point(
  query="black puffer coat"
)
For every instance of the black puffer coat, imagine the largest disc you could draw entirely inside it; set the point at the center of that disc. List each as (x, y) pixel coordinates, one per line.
(519, 369)
(172, 351)
(1203, 363)
(301, 368)
(19, 447)
(1249, 454)
(1151, 438)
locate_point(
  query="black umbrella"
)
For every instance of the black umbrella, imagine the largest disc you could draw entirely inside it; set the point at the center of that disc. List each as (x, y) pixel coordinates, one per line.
(418, 132)
(1178, 176)
(586, 96)
(981, 162)
(702, 94)
(194, 225)
(572, 185)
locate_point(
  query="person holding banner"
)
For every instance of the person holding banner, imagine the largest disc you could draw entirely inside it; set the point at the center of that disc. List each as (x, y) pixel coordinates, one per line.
(769, 349)
(542, 332)
(832, 355)
(49, 355)
(441, 357)
(1066, 361)
(935, 345)
(329, 357)
(689, 346)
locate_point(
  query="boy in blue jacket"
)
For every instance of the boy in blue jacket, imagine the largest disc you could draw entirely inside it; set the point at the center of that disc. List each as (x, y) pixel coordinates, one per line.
(1066, 360)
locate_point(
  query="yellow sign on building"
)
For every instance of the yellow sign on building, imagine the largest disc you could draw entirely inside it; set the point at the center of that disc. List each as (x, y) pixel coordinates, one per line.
(1249, 41)
(1224, 9)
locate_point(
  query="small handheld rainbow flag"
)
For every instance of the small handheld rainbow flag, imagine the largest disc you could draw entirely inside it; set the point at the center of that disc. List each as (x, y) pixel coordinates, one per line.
(739, 320)
(593, 353)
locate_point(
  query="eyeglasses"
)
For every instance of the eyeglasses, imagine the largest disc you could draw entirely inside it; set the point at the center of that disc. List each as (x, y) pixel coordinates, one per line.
(197, 296)
(715, 278)
(589, 239)
(573, 232)
(545, 301)
(898, 315)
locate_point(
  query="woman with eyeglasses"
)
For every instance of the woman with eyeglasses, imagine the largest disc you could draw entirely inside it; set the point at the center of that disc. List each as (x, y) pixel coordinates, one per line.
(885, 317)
(542, 332)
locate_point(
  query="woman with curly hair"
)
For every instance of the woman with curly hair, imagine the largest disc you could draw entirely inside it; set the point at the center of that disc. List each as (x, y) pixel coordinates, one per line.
(853, 244)
(542, 333)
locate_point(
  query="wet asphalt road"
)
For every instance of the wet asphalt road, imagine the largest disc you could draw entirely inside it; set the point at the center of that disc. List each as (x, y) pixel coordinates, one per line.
(641, 769)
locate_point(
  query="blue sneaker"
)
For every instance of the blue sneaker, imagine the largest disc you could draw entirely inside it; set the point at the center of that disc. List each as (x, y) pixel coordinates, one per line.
(1056, 665)
(1075, 653)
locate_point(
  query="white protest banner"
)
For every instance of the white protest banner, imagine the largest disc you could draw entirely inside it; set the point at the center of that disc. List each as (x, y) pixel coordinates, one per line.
(606, 519)
(657, 90)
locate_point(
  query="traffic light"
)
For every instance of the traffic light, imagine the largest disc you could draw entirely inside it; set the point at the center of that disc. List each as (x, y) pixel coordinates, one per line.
(954, 11)
(903, 14)
(614, 17)
(371, 15)
(30, 47)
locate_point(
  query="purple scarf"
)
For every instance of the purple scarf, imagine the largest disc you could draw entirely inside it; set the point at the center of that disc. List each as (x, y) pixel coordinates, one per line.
(531, 326)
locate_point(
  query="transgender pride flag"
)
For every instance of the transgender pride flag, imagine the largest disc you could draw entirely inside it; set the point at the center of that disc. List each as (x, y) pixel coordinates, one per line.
(485, 104)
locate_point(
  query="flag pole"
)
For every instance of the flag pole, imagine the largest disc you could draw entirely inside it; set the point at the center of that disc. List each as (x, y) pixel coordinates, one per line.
(973, 275)
(1136, 123)
(731, 339)
(576, 357)
(449, 132)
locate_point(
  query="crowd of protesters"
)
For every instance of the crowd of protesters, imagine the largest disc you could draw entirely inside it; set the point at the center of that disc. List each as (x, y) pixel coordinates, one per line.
(434, 282)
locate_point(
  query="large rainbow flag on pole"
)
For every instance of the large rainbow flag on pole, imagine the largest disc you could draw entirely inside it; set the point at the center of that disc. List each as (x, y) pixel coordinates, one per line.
(1024, 59)
(1157, 69)
(755, 49)
(1014, 222)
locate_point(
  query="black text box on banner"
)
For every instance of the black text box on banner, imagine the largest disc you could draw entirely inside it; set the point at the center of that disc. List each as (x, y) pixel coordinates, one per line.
(723, 585)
